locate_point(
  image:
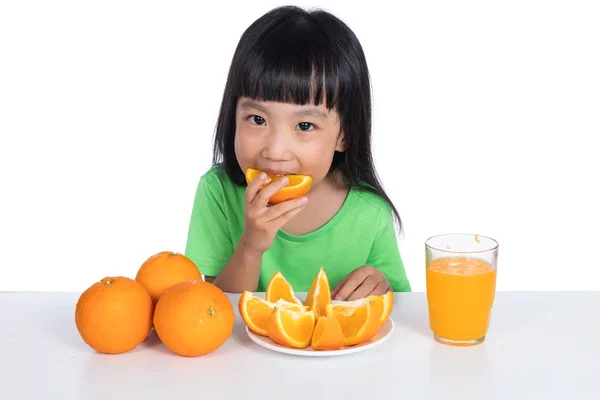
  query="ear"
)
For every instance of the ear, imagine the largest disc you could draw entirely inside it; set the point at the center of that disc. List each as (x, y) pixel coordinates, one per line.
(341, 142)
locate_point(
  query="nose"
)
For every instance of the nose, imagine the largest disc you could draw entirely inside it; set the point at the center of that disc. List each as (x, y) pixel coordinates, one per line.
(278, 146)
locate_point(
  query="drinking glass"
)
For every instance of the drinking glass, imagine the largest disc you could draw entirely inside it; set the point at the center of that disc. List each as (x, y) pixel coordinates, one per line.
(461, 286)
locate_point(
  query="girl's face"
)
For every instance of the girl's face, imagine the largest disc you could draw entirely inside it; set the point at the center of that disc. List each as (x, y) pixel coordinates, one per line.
(283, 138)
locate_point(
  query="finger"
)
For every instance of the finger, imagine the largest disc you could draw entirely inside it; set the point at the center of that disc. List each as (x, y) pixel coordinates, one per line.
(382, 288)
(265, 194)
(365, 289)
(278, 210)
(340, 284)
(352, 283)
(254, 187)
(282, 219)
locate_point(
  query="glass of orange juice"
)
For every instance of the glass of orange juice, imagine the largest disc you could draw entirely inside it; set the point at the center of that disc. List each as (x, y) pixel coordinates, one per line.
(461, 286)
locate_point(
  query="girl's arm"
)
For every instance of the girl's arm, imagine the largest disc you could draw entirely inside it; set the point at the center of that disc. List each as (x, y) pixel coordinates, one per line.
(261, 224)
(241, 272)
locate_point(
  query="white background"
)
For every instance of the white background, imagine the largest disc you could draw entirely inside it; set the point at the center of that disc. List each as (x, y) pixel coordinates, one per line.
(485, 118)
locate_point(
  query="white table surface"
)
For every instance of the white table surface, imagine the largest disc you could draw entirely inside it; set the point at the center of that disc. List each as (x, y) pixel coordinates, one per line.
(541, 345)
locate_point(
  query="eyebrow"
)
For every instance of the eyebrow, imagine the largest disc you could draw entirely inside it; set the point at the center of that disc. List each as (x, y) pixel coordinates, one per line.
(308, 112)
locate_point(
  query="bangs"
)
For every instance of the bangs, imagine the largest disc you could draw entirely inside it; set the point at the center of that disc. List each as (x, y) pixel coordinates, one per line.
(290, 64)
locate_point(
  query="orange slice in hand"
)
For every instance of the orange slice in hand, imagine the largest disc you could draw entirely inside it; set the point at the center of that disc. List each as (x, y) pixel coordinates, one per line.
(256, 311)
(359, 319)
(279, 288)
(328, 334)
(297, 186)
(291, 328)
(319, 294)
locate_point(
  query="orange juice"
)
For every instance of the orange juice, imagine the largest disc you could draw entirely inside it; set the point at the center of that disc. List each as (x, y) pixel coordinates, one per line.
(460, 294)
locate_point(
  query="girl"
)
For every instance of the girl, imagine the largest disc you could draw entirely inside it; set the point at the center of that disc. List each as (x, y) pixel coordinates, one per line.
(297, 101)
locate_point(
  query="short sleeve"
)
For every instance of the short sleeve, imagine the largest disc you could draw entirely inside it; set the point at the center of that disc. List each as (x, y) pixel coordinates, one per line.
(385, 254)
(209, 243)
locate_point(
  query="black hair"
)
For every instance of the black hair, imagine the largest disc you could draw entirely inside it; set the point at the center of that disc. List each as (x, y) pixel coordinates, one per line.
(296, 56)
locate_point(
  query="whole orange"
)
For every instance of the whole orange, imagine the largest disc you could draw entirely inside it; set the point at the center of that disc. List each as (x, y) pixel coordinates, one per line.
(165, 269)
(114, 315)
(193, 318)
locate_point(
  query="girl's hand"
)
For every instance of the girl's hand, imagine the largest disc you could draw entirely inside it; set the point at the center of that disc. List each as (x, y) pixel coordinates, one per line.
(261, 222)
(362, 282)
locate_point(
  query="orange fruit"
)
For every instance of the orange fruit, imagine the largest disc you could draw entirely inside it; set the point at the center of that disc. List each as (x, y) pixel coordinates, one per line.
(388, 304)
(256, 311)
(279, 288)
(328, 334)
(297, 186)
(291, 328)
(165, 269)
(114, 315)
(193, 318)
(319, 294)
(359, 319)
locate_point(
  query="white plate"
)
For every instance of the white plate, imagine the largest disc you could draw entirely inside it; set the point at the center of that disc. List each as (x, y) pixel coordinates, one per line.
(384, 333)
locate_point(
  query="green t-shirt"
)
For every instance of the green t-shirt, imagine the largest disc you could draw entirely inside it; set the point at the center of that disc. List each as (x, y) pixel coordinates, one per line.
(361, 233)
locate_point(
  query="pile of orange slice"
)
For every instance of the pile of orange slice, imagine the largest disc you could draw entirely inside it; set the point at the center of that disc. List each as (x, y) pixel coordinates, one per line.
(316, 323)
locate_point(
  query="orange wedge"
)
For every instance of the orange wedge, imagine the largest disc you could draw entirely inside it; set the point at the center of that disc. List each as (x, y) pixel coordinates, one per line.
(388, 304)
(279, 288)
(291, 328)
(256, 311)
(297, 186)
(328, 334)
(359, 319)
(319, 294)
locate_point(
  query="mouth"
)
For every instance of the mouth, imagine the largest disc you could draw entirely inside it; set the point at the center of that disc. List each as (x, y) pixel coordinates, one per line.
(276, 172)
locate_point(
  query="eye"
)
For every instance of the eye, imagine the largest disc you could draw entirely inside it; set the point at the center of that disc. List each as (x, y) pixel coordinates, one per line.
(256, 120)
(306, 126)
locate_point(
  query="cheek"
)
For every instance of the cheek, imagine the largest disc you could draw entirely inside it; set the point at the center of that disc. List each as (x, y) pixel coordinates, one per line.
(244, 149)
(239, 155)
(317, 162)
